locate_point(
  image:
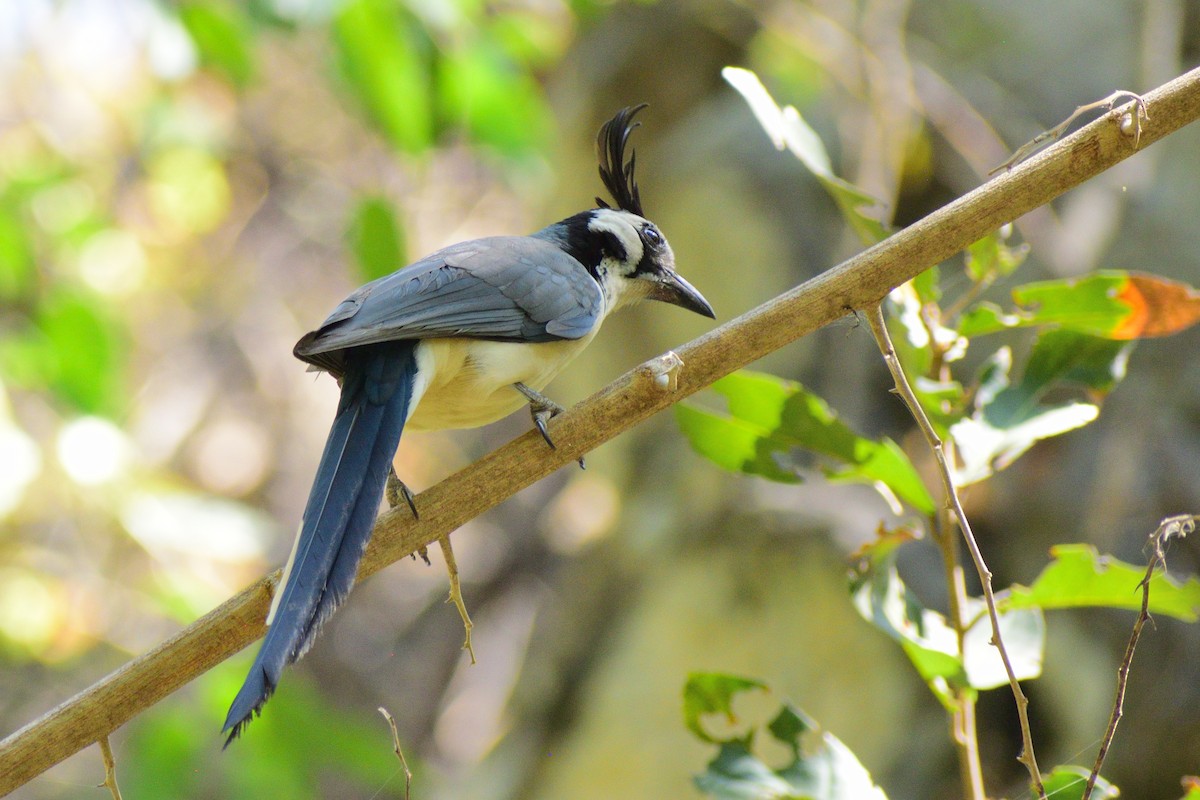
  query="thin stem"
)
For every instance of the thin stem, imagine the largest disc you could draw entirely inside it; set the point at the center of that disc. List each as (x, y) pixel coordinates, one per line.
(408, 776)
(1169, 528)
(110, 768)
(884, 341)
(962, 723)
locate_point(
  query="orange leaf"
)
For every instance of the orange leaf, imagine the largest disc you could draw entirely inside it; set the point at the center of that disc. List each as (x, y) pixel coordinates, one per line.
(1157, 307)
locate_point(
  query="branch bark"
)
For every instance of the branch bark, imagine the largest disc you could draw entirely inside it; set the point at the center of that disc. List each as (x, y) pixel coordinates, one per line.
(856, 283)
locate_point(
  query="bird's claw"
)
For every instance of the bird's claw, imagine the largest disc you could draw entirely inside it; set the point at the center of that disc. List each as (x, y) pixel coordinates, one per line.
(395, 491)
(542, 409)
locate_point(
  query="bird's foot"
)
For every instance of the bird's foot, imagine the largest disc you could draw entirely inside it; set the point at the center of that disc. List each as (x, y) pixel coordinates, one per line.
(395, 491)
(542, 409)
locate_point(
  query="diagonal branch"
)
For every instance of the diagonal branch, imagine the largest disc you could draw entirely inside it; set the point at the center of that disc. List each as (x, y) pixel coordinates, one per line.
(856, 283)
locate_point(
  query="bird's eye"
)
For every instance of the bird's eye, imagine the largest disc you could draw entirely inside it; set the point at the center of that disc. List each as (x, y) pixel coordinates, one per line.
(653, 237)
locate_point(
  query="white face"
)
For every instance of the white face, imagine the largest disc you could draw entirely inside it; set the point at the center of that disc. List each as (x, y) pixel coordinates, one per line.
(620, 288)
(625, 226)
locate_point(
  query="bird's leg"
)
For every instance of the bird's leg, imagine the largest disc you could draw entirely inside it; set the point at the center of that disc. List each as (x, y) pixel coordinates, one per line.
(456, 596)
(394, 491)
(542, 409)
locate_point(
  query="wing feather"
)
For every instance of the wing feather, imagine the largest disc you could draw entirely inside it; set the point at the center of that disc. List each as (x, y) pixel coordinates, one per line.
(504, 288)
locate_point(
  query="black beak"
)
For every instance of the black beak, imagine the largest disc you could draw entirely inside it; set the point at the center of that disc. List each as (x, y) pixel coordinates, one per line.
(673, 289)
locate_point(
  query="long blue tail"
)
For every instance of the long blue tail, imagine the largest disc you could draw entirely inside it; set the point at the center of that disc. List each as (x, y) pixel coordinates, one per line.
(377, 388)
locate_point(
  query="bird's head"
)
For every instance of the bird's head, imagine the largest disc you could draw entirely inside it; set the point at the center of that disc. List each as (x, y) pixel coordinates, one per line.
(625, 252)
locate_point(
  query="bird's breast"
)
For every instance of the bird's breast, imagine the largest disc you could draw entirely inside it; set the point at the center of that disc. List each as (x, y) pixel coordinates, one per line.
(464, 383)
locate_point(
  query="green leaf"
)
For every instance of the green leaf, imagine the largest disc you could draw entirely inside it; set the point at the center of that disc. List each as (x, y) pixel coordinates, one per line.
(82, 352)
(916, 332)
(382, 56)
(1024, 633)
(1078, 576)
(530, 36)
(376, 238)
(1113, 304)
(987, 317)
(1069, 782)
(1110, 304)
(883, 599)
(731, 443)
(1010, 418)
(1063, 357)
(991, 257)
(500, 105)
(985, 448)
(927, 285)
(737, 774)
(769, 417)
(906, 326)
(943, 401)
(712, 693)
(17, 268)
(288, 750)
(222, 36)
(820, 767)
(823, 768)
(1192, 784)
(787, 129)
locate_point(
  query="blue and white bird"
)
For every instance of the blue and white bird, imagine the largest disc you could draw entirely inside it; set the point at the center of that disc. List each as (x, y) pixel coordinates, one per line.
(461, 338)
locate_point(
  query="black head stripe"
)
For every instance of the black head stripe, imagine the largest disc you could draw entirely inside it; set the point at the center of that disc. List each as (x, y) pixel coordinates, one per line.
(590, 247)
(617, 175)
(613, 246)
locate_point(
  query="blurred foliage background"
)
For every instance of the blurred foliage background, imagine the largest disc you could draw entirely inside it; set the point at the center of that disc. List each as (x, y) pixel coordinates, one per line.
(187, 187)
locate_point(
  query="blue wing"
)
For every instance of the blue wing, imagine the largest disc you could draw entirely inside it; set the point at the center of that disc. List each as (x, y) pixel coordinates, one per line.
(505, 288)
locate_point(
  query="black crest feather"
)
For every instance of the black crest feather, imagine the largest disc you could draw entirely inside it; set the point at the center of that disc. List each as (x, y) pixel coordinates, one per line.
(614, 171)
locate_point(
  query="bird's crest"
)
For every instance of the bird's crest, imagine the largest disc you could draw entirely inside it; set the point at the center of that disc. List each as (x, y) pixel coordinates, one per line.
(617, 175)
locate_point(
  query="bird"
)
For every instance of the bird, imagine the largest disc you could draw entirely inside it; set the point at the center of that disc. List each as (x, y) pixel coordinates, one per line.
(461, 338)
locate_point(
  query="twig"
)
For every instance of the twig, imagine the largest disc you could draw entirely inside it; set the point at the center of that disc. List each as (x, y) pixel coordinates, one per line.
(629, 400)
(391, 721)
(110, 768)
(1170, 528)
(1134, 122)
(963, 728)
(879, 328)
(456, 595)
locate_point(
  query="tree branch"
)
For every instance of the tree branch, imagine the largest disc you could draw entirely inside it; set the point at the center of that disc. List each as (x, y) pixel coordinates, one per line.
(856, 283)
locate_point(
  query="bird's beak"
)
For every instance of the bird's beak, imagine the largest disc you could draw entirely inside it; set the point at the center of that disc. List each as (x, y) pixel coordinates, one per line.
(672, 288)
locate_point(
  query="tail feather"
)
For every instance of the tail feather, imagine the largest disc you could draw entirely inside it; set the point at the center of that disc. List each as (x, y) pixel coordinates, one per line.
(377, 390)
